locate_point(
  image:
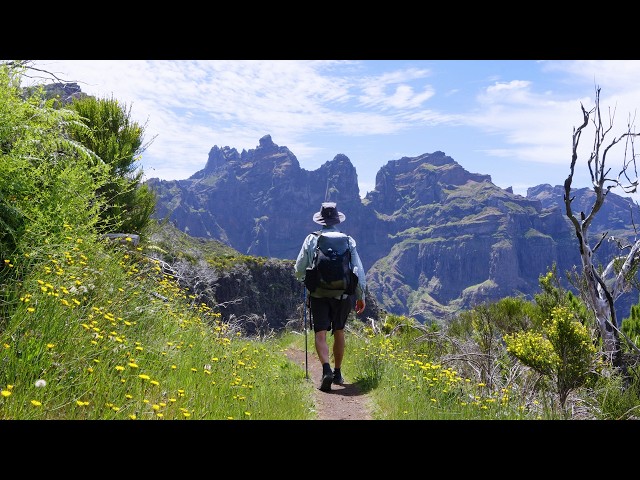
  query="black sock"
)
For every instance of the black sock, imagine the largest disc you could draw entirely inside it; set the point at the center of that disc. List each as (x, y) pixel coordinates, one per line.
(336, 372)
(326, 369)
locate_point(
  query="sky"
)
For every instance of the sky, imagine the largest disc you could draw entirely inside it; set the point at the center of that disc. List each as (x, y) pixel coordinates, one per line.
(510, 119)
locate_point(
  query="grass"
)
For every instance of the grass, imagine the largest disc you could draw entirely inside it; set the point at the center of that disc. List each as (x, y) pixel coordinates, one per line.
(410, 385)
(405, 384)
(99, 332)
(96, 330)
(408, 377)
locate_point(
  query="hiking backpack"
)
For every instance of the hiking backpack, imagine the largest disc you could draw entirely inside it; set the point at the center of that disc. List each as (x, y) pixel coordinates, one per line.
(331, 273)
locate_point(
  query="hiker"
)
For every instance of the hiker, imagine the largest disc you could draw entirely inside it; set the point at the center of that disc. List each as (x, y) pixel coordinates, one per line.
(330, 313)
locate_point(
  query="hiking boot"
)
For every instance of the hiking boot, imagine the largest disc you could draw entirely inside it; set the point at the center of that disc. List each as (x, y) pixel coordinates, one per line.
(338, 379)
(325, 385)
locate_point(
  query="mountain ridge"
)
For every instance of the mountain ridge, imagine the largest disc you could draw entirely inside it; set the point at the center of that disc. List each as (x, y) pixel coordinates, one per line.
(435, 239)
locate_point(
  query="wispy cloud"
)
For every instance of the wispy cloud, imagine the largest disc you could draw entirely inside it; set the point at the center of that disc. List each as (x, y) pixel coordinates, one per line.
(494, 117)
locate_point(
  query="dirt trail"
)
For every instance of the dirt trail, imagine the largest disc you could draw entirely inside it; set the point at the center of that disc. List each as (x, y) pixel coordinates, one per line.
(343, 402)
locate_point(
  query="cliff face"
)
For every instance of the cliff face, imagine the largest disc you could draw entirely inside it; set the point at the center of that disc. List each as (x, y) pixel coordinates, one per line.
(257, 294)
(433, 237)
(459, 240)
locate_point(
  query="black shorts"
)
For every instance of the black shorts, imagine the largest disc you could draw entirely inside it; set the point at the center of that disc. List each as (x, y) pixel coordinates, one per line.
(329, 313)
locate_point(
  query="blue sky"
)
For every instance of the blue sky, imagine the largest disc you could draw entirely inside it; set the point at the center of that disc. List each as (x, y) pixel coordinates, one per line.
(511, 119)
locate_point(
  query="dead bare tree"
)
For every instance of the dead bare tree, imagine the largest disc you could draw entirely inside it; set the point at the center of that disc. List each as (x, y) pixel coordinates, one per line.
(603, 287)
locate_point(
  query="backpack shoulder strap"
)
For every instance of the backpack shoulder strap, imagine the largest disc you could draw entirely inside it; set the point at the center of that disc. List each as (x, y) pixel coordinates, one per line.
(318, 234)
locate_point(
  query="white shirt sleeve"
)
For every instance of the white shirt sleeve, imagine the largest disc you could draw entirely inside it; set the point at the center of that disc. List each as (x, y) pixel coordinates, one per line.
(305, 256)
(358, 269)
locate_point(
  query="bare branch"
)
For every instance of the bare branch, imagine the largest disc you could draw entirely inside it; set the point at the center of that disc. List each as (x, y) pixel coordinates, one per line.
(29, 69)
(604, 235)
(577, 132)
(599, 290)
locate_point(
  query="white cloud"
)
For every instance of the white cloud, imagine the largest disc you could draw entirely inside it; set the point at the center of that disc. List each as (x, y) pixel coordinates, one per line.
(368, 110)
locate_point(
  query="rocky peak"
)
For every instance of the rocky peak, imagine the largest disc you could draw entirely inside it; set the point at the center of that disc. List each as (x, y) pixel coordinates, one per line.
(218, 158)
(409, 182)
(266, 143)
(614, 215)
(63, 92)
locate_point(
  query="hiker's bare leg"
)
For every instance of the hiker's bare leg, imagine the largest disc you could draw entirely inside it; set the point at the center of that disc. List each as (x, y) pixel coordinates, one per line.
(322, 349)
(338, 347)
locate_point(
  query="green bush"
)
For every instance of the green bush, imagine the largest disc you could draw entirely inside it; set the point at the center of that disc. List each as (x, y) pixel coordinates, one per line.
(563, 350)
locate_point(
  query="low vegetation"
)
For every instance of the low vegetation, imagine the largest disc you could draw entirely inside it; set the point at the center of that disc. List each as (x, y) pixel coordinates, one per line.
(92, 328)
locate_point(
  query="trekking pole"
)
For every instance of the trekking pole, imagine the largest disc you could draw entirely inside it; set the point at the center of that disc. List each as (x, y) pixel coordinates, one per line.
(306, 357)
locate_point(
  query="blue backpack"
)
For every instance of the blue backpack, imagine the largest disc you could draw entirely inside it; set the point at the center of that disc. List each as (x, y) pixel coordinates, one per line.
(331, 272)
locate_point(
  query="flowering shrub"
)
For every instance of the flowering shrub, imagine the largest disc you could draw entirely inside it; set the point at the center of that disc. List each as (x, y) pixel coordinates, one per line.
(562, 350)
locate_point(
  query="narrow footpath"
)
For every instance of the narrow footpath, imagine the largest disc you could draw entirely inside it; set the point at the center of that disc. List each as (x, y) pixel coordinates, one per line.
(343, 402)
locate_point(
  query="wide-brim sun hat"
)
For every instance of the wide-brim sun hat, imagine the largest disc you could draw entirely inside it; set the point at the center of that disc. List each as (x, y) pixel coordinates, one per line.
(329, 215)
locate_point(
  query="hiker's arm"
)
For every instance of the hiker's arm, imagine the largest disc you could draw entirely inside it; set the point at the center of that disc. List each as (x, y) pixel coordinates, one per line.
(305, 256)
(359, 270)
